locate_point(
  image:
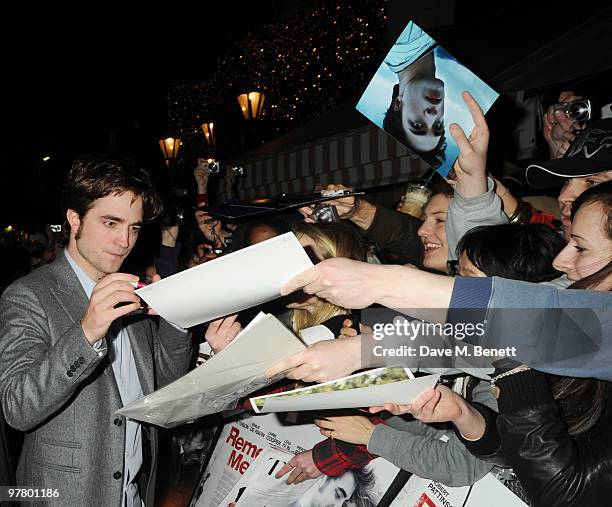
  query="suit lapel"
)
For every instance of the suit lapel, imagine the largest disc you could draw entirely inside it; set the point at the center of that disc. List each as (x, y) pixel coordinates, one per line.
(68, 290)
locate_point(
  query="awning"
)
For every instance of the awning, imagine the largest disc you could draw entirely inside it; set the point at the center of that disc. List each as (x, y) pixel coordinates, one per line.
(364, 158)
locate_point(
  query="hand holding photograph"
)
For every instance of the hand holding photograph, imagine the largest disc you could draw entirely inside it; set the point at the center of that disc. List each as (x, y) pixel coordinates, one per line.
(415, 96)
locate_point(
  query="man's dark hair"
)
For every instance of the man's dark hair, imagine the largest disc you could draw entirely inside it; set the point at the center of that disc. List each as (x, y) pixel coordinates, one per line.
(363, 496)
(517, 252)
(94, 177)
(392, 123)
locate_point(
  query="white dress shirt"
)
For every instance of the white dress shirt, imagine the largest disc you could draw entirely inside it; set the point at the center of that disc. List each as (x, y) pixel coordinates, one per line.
(122, 360)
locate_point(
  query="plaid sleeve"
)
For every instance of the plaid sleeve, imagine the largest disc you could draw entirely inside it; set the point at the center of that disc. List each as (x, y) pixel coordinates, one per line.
(334, 457)
(541, 217)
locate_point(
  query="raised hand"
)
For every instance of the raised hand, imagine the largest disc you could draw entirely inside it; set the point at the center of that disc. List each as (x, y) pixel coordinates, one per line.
(558, 127)
(102, 309)
(348, 331)
(221, 332)
(471, 166)
(200, 173)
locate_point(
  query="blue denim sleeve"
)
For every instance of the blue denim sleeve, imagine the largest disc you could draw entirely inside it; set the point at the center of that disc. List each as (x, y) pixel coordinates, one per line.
(562, 332)
(471, 292)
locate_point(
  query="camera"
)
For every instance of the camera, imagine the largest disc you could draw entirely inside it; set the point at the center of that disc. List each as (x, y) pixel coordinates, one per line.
(238, 171)
(55, 228)
(578, 110)
(225, 248)
(213, 167)
(173, 215)
(325, 213)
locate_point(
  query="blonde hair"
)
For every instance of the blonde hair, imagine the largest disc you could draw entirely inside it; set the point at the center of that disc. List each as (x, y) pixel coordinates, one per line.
(331, 240)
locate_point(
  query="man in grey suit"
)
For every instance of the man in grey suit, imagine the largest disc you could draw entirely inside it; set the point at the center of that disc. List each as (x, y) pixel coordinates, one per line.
(75, 346)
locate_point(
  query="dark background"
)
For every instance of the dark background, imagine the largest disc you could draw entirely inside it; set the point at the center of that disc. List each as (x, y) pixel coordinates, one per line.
(97, 80)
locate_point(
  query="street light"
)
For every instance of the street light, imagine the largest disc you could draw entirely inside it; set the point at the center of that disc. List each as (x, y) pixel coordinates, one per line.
(251, 105)
(170, 147)
(208, 129)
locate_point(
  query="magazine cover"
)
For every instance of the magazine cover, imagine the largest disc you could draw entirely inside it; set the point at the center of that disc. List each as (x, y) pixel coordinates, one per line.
(240, 443)
(416, 94)
(259, 487)
(236, 475)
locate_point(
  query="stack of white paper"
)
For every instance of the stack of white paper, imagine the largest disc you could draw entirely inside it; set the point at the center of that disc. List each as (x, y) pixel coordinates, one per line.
(366, 389)
(217, 385)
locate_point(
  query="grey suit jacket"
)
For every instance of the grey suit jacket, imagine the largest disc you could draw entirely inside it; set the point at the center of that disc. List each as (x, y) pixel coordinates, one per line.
(55, 387)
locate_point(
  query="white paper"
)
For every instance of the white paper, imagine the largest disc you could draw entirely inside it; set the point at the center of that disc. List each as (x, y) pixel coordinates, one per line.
(402, 392)
(228, 284)
(489, 487)
(216, 385)
(314, 334)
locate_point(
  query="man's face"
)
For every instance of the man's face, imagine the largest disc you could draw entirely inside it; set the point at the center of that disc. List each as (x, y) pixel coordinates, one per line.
(335, 491)
(102, 239)
(423, 113)
(570, 192)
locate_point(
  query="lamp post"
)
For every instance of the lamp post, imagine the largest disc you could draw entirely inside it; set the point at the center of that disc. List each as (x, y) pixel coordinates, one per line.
(251, 105)
(170, 147)
(209, 131)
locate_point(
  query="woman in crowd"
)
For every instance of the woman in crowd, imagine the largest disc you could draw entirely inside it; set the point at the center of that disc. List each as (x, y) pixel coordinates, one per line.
(432, 232)
(517, 252)
(321, 241)
(324, 241)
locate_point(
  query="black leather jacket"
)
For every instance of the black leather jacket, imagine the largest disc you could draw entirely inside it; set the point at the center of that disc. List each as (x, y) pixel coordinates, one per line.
(554, 468)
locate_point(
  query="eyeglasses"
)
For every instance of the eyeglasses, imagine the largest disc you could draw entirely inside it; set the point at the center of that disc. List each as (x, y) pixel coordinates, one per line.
(451, 267)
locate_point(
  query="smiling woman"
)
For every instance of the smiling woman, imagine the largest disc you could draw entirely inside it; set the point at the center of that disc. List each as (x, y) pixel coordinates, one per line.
(433, 230)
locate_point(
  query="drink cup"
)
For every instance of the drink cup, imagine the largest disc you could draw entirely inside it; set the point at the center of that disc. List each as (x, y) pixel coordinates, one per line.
(416, 198)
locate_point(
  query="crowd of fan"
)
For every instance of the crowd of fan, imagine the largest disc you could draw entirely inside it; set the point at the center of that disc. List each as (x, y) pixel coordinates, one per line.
(550, 432)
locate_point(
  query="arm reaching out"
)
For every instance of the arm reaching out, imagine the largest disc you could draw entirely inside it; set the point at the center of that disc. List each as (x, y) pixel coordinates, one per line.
(354, 284)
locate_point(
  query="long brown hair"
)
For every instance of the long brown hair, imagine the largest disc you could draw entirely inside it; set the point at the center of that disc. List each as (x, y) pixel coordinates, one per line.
(583, 401)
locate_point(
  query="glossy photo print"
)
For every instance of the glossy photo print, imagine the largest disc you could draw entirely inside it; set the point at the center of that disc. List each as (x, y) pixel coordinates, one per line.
(416, 94)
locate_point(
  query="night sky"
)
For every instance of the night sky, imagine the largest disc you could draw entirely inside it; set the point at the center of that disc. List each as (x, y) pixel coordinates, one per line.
(100, 81)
